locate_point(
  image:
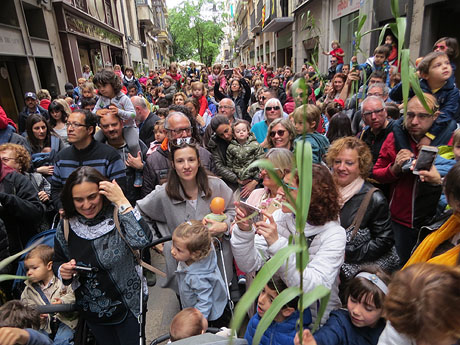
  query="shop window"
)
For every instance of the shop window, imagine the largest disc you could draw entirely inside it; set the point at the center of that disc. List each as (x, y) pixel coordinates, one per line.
(108, 12)
(8, 13)
(35, 21)
(347, 26)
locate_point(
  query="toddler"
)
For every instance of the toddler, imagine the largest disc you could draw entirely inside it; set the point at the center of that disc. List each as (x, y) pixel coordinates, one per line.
(87, 74)
(378, 62)
(283, 328)
(160, 134)
(44, 97)
(43, 288)
(362, 322)
(199, 93)
(113, 101)
(19, 324)
(187, 323)
(338, 53)
(306, 120)
(199, 279)
(242, 151)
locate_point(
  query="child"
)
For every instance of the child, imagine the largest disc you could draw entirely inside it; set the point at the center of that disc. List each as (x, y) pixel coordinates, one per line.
(423, 306)
(162, 113)
(168, 89)
(130, 79)
(70, 101)
(242, 151)
(362, 323)
(306, 120)
(282, 331)
(187, 323)
(160, 135)
(199, 93)
(78, 88)
(378, 62)
(19, 324)
(44, 288)
(44, 97)
(199, 279)
(87, 74)
(268, 76)
(113, 101)
(338, 53)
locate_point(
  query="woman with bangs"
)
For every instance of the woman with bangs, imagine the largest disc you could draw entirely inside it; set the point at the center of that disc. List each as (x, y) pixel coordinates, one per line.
(59, 111)
(351, 160)
(187, 195)
(253, 244)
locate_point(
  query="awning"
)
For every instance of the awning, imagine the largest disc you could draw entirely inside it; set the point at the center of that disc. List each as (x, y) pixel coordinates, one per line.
(277, 24)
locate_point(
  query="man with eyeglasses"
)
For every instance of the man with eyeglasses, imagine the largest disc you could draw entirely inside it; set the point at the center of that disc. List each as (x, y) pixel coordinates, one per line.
(84, 151)
(157, 166)
(413, 202)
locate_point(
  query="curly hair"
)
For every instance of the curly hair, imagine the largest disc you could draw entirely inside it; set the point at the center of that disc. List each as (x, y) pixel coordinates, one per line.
(107, 76)
(286, 123)
(353, 143)
(423, 302)
(324, 203)
(22, 155)
(197, 238)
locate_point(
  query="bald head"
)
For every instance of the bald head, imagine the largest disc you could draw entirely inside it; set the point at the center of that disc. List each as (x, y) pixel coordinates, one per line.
(141, 108)
(227, 108)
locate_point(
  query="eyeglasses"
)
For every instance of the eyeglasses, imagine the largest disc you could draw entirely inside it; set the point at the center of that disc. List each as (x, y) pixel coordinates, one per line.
(7, 159)
(440, 47)
(276, 107)
(179, 131)
(75, 125)
(421, 116)
(288, 186)
(280, 133)
(183, 141)
(368, 113)
(262, 98)
(375, 94)
(225, 107)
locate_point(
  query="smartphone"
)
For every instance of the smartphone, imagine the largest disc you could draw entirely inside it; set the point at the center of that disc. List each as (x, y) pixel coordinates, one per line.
(249, 209)
(425, 158)
(228, 73)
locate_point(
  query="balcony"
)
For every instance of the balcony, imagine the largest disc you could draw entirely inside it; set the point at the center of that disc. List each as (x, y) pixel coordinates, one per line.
(244, 39)
(146, 16)
(255, 27)
(276, 20)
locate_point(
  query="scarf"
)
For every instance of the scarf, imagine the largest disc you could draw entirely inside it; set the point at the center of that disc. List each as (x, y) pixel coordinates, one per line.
(129, 79)
(5, 170)
(425, 250)
(347, 192)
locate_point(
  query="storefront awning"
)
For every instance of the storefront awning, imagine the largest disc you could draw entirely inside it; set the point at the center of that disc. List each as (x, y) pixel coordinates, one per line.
(277, 24)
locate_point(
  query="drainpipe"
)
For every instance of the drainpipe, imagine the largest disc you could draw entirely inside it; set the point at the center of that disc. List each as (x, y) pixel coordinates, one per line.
(124, 28)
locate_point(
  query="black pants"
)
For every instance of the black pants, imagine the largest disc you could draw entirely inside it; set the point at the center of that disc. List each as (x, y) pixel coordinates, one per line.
(124, 333)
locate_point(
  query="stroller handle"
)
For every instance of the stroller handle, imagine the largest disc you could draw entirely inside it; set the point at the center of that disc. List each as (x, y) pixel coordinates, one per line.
(55, 308)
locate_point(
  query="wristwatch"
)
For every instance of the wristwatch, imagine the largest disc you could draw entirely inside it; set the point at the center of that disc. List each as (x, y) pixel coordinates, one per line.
(123, 208)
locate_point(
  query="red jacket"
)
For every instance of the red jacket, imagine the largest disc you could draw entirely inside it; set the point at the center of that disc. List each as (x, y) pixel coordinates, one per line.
(203, 105)
(402, 186)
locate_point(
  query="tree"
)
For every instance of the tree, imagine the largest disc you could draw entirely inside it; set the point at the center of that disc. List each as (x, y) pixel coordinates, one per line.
(196, 30)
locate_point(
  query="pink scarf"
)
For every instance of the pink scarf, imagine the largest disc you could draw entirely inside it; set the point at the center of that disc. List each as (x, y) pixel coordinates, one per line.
(347, 192)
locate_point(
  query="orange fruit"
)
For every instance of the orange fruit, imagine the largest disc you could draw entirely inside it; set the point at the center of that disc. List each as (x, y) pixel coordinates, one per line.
(217, 205)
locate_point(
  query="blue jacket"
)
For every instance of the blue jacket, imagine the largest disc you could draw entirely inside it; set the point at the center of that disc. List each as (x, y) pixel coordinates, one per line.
(37, 338)
(319, 145)
(202, 286)
(339, 330)
(448, 98)
(443, 166)
(278, 333)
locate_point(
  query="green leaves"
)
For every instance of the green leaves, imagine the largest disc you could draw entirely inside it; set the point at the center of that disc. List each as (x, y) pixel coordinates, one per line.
(5, 262)
(303, 155)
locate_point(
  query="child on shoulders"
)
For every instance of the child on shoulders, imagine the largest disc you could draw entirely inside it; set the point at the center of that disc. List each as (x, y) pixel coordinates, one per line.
(282, 331)
(43, 288)
(378, 62)
(338, 53)
(199, 93)
(199, 279)
(362, 322)
(306, 120)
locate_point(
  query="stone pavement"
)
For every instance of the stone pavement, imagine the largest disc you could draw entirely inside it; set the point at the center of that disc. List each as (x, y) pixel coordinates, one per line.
(162, 305)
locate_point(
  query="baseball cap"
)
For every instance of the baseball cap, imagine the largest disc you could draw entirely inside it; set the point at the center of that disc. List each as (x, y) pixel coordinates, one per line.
(30, 95)
(68, 86)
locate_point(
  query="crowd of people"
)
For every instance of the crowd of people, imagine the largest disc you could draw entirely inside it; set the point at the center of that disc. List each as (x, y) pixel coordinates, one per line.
(122, 159)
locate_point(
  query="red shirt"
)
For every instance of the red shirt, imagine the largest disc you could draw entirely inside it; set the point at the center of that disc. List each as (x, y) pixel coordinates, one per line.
(339, 58)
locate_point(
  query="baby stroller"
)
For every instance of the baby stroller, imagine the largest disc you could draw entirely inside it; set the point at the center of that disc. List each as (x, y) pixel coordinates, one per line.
(203, 339)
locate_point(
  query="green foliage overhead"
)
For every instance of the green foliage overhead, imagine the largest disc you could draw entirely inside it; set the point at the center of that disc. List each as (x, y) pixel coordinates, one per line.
(196, 30)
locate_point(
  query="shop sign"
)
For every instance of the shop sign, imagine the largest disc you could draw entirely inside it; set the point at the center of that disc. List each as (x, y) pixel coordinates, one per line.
(89, 29)
(341, 8)
(11, 42)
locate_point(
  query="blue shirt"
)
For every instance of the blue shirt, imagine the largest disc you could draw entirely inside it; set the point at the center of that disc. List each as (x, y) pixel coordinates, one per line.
(260, 130)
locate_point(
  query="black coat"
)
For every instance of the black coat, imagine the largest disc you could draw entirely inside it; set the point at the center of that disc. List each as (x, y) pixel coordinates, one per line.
(20, 210)
(23, 115)
(146, 130)
(376, 218)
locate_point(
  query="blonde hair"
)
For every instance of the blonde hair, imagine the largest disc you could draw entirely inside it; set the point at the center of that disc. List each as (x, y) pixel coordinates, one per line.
(187, 323)
(43, 94)
(22, 155)
(159, 124)
(309, 113)
(456, 137)
(197, 236)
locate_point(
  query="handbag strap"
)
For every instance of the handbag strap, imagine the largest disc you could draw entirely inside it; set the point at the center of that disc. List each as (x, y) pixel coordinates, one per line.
(361, 211)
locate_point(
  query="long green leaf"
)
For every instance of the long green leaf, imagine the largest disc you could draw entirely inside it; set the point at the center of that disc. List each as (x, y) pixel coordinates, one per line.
(401, 25)
(265, 274)
(395, 8)
(278, 303)
(10, 259)
(362, 21)
(322, 308)
(382, 33)
(405, 77)
(304, 256)
(4, 277)
(303, 155)
(415, 86)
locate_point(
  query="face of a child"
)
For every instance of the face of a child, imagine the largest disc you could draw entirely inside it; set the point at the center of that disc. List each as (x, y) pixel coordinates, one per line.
(440, 69)
(363, 313)
(388, 40)
(379, 59)
(456, 150)
(129, 73)
(106, 90)
(160, 133)
(132, 92)
(265, 301)
(166, 83)
(37, 270)
(179, 250)
(334, 46)
(241, 133)
(197, 92)
(87, 93)
(301, 127)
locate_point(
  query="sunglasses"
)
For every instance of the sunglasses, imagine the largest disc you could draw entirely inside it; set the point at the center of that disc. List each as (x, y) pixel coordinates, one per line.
(276, 107)
(280, 133)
